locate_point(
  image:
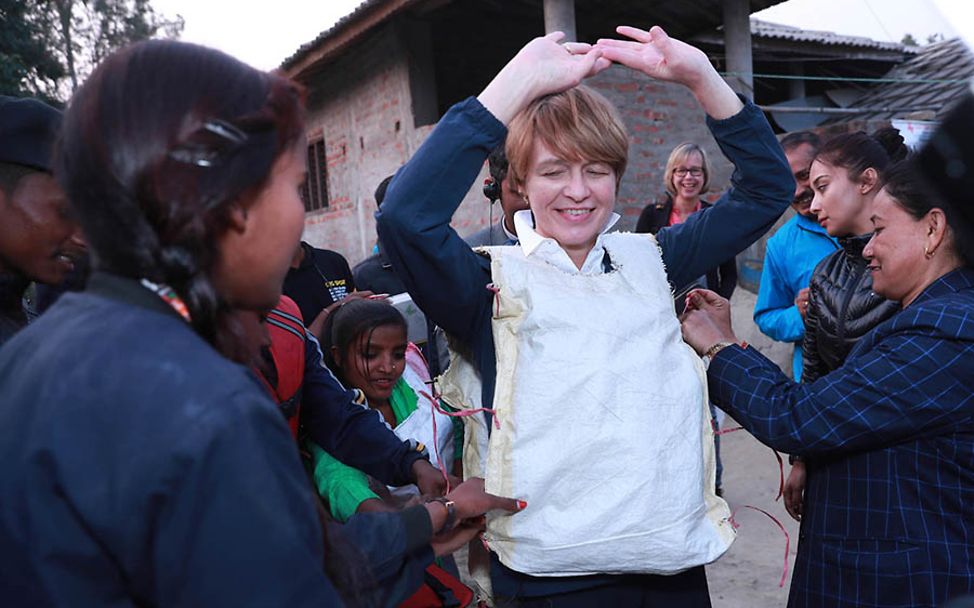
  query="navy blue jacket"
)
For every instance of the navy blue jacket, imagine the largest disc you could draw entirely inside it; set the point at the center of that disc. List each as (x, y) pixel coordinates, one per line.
(448, 280)
(140, 466)
(889, 514)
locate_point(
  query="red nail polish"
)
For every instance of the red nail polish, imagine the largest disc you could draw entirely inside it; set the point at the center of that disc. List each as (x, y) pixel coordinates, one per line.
(522, 505)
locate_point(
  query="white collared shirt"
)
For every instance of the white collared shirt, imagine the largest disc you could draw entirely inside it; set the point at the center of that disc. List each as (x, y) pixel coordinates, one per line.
(549, 250)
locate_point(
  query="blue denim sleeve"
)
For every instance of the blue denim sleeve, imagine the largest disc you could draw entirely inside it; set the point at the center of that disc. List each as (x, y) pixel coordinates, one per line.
(238, 507)
(395, 547)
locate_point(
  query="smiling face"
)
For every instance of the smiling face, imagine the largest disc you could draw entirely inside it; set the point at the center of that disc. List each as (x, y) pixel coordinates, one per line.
(374, 361)
(896, 250)
(571, 199)
(687, 177)
(841, 205)
(39, 238)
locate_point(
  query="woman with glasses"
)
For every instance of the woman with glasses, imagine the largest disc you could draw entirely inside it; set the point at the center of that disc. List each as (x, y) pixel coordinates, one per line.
(686, 179)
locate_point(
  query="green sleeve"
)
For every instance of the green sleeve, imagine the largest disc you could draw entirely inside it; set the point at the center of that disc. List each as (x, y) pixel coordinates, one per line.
(344, 487)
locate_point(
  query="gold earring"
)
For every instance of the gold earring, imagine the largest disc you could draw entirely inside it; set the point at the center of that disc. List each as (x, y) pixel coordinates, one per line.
(927, 252)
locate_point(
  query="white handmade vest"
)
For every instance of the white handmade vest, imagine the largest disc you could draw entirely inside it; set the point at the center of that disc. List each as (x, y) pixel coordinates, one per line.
(604, 427)
(425, 424)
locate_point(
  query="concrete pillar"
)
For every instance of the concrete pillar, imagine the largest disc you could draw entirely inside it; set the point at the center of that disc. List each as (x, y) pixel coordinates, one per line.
(559, 16)
(737, 46)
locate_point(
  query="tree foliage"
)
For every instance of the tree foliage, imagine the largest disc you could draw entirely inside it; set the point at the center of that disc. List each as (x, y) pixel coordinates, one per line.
(48, 47)
(28, 65)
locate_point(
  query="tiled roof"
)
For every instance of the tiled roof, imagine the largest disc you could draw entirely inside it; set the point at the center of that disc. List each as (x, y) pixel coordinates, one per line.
(932, 79)
(766, 29)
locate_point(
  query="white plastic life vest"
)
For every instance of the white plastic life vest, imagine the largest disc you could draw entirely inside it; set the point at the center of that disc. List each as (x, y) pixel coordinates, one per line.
(604, 425)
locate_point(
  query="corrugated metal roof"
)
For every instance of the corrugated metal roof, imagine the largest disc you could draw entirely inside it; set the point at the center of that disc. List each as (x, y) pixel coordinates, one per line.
(766, 29)
(934, 79)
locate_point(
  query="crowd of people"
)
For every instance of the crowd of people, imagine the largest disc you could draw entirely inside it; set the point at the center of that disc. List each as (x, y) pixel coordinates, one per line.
(214, 412)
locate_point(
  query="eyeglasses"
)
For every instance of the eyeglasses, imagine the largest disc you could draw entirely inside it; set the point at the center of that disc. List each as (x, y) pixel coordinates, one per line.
(694, 171)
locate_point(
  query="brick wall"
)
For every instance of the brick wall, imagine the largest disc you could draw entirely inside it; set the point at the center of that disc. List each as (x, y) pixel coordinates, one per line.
(362, 107)
(659, 116)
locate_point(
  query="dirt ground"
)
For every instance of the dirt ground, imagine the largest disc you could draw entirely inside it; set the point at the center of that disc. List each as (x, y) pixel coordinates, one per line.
(747, 576)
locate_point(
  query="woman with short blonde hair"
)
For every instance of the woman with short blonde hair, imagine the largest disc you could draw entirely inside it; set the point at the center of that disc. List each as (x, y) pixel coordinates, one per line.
(568, 329)
(681, 158)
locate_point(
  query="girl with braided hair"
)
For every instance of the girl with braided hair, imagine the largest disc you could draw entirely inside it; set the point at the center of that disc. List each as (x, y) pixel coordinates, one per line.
(145, 465)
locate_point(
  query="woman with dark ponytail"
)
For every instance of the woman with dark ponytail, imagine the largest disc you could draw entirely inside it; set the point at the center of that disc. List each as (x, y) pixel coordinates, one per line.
(841, 306)
(142, 463)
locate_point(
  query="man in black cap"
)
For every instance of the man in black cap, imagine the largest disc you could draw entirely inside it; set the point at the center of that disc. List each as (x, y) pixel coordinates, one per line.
(39, 241)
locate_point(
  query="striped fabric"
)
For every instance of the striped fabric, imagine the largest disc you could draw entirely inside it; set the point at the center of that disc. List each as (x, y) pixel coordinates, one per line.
(889, 440)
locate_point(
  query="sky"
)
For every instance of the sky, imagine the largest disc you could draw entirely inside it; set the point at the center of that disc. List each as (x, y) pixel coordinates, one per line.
(265, 33)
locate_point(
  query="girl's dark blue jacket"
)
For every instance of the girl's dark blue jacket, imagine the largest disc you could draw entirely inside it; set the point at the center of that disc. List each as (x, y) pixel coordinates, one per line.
(139, 466)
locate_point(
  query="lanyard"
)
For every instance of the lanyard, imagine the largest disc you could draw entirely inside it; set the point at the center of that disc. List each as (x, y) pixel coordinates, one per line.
(169, 296)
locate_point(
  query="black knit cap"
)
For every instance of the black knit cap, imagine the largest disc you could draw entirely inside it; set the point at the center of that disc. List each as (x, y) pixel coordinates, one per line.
(28, 128)
(947, 159)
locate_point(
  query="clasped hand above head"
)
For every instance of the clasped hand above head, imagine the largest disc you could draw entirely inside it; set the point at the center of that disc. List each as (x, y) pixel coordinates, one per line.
(706, 320)
(657, 55)
(542, 67)
(545, 66)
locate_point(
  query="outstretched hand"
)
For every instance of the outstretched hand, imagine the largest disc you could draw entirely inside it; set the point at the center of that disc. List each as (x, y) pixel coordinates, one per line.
(542, 67)
(706, 320)
(655, 54)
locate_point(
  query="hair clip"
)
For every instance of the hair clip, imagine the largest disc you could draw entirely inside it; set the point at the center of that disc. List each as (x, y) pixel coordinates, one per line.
(202, 155)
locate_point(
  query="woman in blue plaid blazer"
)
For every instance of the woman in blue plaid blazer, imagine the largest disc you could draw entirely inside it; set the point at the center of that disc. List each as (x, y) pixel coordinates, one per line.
(893, 427)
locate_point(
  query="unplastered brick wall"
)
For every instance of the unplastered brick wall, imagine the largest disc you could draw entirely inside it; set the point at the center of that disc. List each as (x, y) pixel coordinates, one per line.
(361, 105)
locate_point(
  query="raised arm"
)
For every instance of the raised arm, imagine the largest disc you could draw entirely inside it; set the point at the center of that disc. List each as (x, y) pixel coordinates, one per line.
(655, 54)
(442, 274)
(762, 184)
